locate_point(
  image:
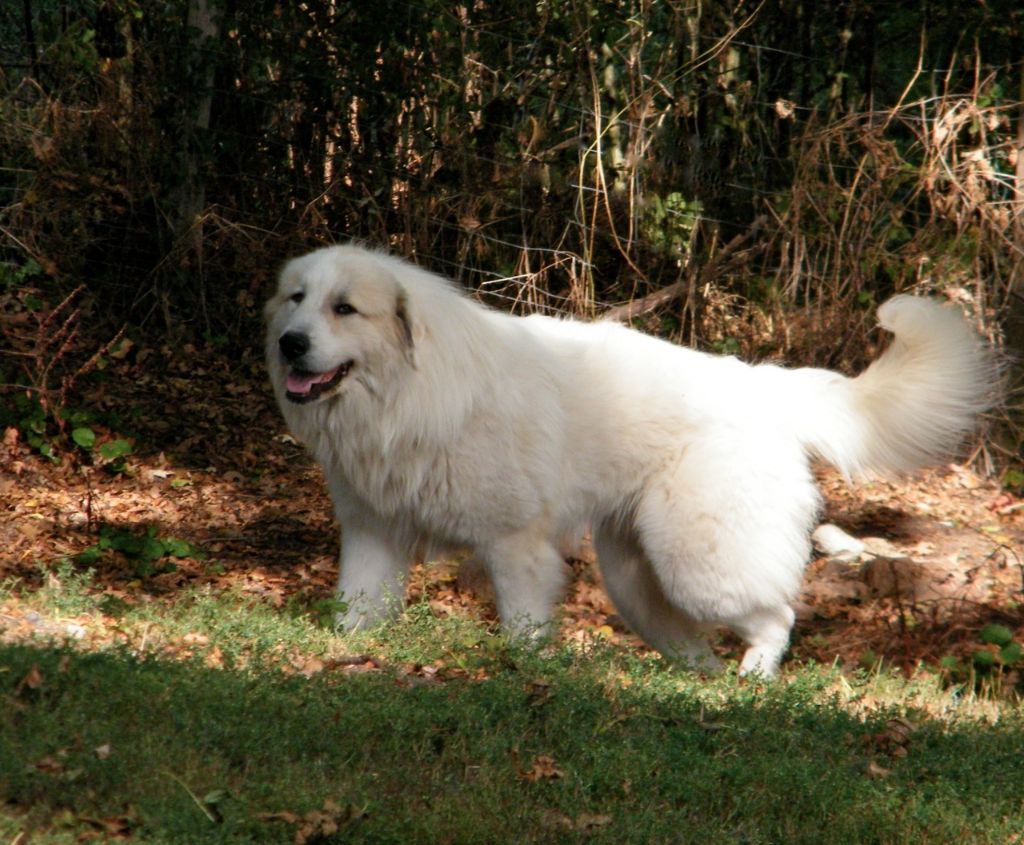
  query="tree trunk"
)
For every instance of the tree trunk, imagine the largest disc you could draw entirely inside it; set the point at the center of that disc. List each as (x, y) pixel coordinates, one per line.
(204, 24)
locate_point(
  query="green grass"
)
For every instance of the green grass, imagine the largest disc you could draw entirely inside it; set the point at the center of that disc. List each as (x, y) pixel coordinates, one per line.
(251, 753)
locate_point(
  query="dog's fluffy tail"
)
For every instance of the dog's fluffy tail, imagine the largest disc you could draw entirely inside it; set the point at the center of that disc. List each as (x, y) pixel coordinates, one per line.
(913, 405)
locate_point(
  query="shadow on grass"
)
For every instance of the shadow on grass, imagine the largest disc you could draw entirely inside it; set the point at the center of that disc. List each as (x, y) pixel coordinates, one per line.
(540, 751)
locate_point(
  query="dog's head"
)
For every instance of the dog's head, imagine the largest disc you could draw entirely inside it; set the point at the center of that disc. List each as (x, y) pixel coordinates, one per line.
(340, 318)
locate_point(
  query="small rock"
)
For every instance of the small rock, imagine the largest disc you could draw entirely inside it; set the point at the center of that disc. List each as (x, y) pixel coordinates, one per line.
(895, 576)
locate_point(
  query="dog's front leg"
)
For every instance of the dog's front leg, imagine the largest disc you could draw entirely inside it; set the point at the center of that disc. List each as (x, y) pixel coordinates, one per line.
(371, 583)
(373, 565)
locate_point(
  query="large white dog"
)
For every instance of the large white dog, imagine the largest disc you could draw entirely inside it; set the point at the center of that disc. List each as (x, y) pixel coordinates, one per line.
(437, 419)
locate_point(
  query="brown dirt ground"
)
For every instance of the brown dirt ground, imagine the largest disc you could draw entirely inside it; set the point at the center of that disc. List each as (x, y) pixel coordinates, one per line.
(213, 466)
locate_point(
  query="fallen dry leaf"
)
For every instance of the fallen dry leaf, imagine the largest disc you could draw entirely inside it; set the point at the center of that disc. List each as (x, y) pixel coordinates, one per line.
(317, 824)
(543, 768)
(592, 821)
(784, 109)
(877, 772)
(538, 693)
(116, 827)
(49, 765)
(280, 816)
(583, 823)
(33, 680)
(893, 739)
(310, 666)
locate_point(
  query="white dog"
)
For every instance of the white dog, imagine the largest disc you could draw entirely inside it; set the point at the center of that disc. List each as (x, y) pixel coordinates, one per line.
(438, 419)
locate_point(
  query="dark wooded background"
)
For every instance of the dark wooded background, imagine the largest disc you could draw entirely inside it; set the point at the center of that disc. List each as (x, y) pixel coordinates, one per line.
(755, 177)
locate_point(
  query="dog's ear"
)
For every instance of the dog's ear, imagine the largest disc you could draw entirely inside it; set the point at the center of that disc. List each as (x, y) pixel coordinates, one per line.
(404, 321)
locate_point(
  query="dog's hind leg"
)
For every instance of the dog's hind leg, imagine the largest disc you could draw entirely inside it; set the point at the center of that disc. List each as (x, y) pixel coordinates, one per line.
(529, 578)
(640, 600)
(726, 530)
(767, 636)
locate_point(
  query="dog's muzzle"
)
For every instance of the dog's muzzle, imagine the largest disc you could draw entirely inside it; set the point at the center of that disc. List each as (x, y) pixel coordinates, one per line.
(304, 385)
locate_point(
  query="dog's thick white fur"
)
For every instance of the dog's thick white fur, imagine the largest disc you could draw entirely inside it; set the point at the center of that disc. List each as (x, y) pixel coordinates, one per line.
(437, 418)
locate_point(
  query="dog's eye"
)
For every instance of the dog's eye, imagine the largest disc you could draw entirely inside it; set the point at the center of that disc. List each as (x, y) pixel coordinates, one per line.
(297, 297)
(342, 309)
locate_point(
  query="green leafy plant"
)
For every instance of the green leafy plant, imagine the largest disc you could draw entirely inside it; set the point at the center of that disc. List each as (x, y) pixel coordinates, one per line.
(84, 437)
(1003, 651)
(727, 346)
(1013, 479)
(13, 276)
(323, 611)
(27, 414)
(151, 553)
(49, 358)
(668, 223)
(111, 454)
(996, 655)
(115, 451)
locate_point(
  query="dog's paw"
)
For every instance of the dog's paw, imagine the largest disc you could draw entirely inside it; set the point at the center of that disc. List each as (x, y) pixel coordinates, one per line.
(761, 662)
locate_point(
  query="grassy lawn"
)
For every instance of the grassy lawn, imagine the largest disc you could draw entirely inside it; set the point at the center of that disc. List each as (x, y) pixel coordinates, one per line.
(218, 719)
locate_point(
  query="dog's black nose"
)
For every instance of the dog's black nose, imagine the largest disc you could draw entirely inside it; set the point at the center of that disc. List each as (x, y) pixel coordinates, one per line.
(293, 345)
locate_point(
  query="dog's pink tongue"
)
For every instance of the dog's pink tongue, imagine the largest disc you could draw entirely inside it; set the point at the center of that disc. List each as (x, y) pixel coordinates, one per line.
(302, 383)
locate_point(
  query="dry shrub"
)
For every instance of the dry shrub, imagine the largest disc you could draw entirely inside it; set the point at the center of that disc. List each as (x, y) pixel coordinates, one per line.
(919, 198)
(559, 157)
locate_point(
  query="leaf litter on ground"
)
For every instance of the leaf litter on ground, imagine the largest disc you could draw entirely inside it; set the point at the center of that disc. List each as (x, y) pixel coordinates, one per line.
(232, 504)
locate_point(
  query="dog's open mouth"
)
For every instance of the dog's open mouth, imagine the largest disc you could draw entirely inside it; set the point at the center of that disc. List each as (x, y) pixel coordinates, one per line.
(302, 386)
